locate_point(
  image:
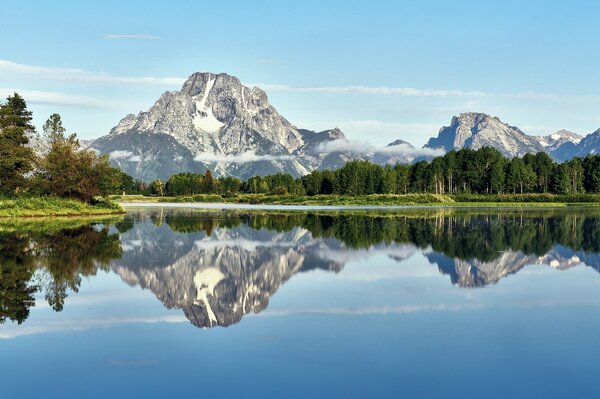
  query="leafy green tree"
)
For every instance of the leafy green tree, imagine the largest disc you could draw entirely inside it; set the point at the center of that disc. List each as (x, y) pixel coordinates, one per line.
(229, 185)
(67, 171)
(157, 187)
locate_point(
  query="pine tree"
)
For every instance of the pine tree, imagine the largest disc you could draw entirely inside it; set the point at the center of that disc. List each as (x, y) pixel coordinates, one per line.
(16, 158)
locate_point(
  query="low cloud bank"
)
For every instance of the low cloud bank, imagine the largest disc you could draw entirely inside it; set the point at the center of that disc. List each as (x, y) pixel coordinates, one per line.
(248, 156)
(124, 155)
(362, 147)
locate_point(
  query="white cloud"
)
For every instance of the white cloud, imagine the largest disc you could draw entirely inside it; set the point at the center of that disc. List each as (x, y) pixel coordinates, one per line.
(363, 147)
(124, 155)
(343, 145)
(72, 74)
(248, 156)
(131, 36)
(53, 98)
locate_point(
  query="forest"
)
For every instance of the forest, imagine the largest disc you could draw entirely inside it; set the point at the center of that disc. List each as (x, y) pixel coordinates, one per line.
(484, 171)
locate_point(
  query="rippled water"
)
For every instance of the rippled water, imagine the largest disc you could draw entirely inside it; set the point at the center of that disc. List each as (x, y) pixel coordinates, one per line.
(167, 302)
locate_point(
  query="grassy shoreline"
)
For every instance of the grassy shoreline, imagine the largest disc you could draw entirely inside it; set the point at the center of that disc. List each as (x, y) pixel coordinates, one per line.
(36, 207)
(462, 200)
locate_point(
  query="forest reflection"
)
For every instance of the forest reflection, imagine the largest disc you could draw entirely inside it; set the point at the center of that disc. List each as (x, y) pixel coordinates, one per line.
(219, 266)
(52, 261)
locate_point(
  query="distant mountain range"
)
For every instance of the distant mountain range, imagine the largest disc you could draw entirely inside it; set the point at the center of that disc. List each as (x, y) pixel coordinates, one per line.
(214, 122)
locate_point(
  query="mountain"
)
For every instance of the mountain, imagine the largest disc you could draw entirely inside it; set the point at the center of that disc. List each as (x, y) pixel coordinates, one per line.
(476, 130)
(554, 141)
(589, 144)
(560, 145)
(214, 122)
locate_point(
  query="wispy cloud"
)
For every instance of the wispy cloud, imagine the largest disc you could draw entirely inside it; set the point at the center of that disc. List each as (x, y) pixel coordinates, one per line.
(71, 74)
(418, 92)
(383, 90)
(130, 36)
(404, 309)
(53, 98)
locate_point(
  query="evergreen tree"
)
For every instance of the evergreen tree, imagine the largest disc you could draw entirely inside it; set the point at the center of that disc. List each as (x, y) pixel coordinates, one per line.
(16, 158)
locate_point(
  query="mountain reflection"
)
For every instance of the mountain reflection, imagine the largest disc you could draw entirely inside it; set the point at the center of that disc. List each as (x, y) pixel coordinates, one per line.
(219, 266)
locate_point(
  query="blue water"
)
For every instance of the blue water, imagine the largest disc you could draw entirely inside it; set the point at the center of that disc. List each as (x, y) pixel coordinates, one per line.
(347, 320)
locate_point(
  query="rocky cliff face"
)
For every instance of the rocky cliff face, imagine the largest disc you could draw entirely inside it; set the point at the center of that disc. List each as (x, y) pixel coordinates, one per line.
(476, 130)
(590, 144)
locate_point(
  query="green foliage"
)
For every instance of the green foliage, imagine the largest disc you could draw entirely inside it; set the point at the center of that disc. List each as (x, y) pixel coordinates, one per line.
(157, 187)
(67, 171)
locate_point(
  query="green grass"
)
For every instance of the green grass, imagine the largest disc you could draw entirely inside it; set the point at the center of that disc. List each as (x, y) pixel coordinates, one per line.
(52, 224)
(52, 206)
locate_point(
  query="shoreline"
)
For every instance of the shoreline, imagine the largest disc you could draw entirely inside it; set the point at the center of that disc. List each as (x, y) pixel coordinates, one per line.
(242, 206)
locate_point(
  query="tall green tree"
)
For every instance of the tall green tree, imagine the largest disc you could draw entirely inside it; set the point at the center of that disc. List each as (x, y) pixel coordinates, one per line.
(16, 158)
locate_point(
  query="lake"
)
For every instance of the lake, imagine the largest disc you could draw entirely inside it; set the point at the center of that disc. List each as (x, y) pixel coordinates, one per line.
(417, 303)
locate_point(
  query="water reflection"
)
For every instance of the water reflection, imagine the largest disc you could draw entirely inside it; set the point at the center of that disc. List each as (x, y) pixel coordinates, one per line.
(50, 259)
(218, 266)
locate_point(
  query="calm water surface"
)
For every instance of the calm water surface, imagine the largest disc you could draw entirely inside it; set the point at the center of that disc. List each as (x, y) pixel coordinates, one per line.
(417, 303)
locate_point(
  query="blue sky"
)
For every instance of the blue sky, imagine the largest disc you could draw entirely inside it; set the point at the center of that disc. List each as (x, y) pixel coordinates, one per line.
(378, 70)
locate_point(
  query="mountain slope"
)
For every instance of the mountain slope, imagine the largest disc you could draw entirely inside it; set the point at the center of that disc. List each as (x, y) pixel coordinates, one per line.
(590, 144)
(476, 130)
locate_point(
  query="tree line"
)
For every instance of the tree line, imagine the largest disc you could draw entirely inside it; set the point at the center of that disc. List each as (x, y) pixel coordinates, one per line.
(482, 171)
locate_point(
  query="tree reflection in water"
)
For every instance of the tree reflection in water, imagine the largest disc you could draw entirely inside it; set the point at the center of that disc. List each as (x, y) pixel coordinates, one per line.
(51, 262)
